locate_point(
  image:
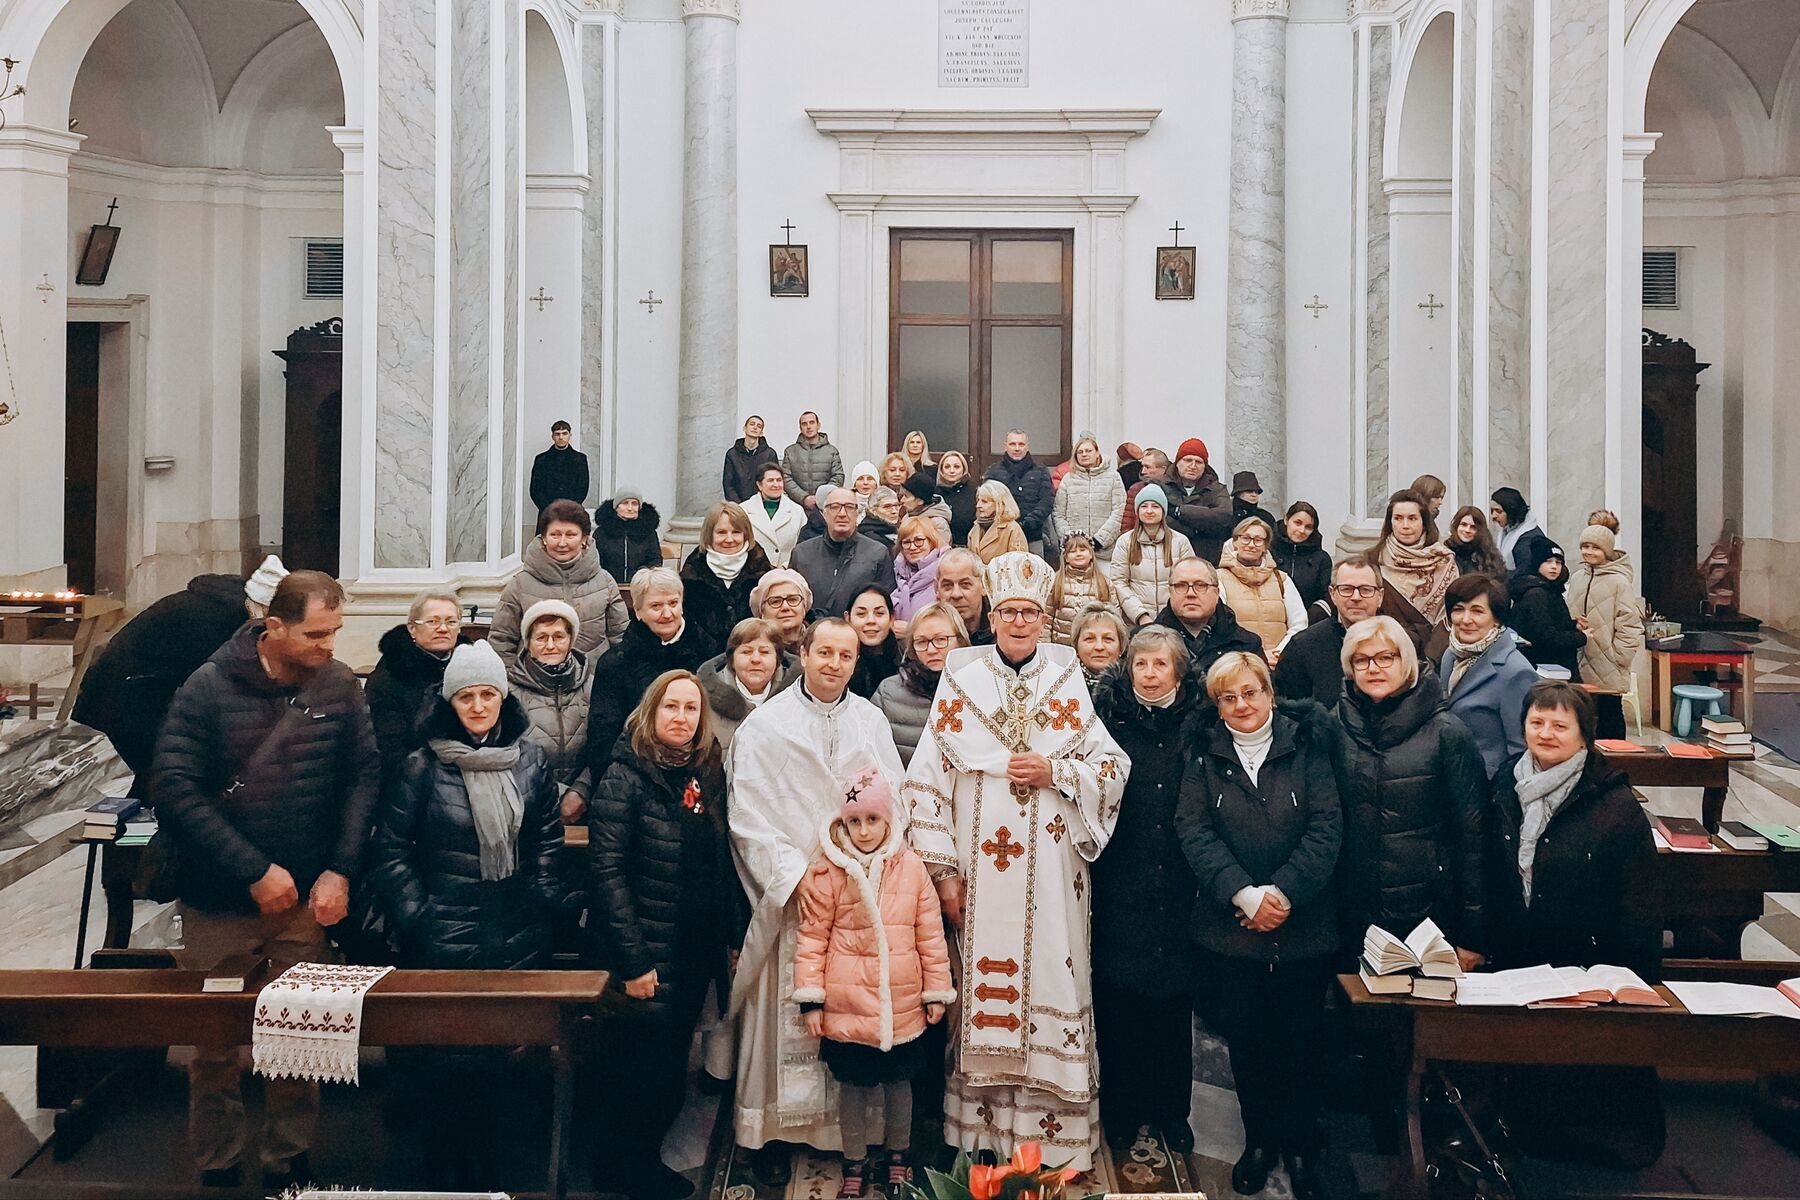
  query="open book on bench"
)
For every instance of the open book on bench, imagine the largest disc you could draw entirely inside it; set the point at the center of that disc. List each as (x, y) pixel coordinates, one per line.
(1425, 950)
(1602, 984)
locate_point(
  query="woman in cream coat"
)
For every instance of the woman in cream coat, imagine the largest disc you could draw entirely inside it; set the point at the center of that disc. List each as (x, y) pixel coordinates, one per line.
(775, 521)
(1605, 607)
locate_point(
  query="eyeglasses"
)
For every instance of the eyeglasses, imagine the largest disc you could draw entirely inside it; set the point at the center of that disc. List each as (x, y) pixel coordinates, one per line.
(840, 506)
(1251, 539)
(1361, 591)
(940, 642)
(1193, 589)
(438, 622)
(783, 601)
(1249, 695)
(914, 542)
(1018, 616)
(1368, 662)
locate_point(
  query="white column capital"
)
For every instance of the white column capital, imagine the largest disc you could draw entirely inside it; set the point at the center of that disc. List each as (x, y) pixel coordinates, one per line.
(1245, 10)
(37, 145)
(1639, 146)
(731, 10)
(349, 142)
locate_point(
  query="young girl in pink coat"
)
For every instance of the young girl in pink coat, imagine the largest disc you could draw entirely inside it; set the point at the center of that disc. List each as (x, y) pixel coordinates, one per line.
(871, 971)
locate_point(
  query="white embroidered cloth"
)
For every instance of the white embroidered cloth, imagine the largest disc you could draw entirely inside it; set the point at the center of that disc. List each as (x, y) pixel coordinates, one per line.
(309, 1022)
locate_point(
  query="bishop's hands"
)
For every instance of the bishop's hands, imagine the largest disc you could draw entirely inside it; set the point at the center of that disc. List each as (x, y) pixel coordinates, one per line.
(1032, 770)
(950, 895)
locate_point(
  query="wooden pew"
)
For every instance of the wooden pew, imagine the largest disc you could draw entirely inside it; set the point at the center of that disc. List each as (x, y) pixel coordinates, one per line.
(407, 1008)
(1428, 1031)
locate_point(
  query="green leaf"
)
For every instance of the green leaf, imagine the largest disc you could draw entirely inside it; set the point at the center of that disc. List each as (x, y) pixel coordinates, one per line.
(948, 1187)
(959, 1170)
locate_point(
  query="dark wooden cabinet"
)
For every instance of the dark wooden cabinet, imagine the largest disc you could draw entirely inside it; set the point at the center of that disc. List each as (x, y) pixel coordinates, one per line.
(313, 465)
(1670, 577)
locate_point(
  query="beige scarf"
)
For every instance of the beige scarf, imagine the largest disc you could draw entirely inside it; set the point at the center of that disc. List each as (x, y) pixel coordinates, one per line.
(1420, 573)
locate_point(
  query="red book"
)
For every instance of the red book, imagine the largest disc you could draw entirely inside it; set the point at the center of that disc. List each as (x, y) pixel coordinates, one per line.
(1687, 750)
(1684, 832)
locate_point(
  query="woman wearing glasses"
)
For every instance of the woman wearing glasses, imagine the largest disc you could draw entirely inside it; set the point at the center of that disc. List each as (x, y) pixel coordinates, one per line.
(403, 690)
(1260, 594)
(1415, 793)
(1261, 827)
(905, 698)
(784, 598)
(915, 567)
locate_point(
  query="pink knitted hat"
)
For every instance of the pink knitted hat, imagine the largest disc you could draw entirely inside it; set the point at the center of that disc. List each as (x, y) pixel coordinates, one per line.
(869, 795)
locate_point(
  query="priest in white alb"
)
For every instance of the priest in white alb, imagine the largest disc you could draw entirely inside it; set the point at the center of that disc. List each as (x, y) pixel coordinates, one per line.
(790, 763)
(1013, 791)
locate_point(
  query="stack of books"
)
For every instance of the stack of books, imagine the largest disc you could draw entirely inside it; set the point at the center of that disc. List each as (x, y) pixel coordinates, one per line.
(1388, 964)
(1726, 736)
(106, 819)
(1779, 837)
(1683, 833)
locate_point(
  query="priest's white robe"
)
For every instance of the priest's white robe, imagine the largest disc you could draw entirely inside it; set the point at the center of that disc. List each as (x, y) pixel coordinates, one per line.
(789, 763)
(1025, 1065)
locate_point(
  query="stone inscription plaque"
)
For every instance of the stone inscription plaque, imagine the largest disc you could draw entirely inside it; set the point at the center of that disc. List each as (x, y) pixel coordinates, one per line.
(984, 43)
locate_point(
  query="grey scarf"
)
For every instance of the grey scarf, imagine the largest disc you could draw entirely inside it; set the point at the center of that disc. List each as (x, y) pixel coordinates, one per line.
(1540, 794)
(1468, 652)
(494, 800)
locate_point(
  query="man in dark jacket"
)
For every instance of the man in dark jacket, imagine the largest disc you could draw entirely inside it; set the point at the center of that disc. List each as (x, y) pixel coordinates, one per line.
(962, 584)
(1246, 500)
(1199, 505)
(1311, 666)
(264, 780)
(843, 562)
(561, 472)
(810, 463)
(1209, 628)
(744, 461)
(1029, 482)
(127, 691)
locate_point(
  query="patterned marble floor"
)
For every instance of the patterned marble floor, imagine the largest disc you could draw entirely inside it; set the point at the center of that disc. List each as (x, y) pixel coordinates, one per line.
(1777, 662)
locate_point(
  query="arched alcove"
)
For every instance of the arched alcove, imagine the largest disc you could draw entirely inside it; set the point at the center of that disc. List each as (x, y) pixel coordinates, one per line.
(1428, 108)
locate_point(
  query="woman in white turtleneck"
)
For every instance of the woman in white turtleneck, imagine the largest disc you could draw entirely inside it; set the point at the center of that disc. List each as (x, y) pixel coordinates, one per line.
(721, 573)
(1260, 825)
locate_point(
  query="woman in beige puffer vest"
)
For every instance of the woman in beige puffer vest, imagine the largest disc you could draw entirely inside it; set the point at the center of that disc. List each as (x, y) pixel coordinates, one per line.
(1605, 607)
(1262, 597)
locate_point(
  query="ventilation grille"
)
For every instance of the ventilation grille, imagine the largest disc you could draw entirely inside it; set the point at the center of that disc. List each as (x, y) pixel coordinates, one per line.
(1662, 279)
(324, 269)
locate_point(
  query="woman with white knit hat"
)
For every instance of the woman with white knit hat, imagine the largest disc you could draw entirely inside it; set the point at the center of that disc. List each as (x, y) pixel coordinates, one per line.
(1605, 607)
(554, 684)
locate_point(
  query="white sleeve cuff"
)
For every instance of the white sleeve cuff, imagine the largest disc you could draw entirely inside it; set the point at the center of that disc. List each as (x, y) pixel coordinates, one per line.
(1248, 900)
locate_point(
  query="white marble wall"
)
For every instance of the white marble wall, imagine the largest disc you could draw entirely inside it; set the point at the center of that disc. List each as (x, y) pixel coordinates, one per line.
(594, 309)
(1577, 326)
(405, 248)
(1256, 327)
(512, 189)
(709, 265)
(1468, 29)
(1376, 327)
(471, 257)
(1509, 246)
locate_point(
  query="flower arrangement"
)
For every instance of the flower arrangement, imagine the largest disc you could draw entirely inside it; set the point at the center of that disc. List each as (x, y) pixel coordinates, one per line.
(1024, 1178)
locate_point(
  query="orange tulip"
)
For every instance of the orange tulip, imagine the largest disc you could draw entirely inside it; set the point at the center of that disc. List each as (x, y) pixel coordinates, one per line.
(984, 1181)
(1028, 1157)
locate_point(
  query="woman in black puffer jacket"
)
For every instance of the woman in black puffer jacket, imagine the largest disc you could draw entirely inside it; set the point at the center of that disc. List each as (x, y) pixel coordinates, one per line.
(660, 638)
(465, 859)
(1415, 796)
(668, 908)
(1143, 959)
(402, 691)
(721, 573)
(627, 536)
(1299, 552)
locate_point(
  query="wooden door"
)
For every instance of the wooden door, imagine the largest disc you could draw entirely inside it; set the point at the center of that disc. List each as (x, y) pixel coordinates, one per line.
(312, 465)
(1670, 578)
(81, 456)
(981, 339)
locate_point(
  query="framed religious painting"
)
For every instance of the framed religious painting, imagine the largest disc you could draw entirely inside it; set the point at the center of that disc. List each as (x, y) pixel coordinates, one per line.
(1176, 267)
(789, 273)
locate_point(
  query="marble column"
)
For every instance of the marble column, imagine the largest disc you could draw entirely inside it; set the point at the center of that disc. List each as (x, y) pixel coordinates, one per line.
(1463, 314)
(709, 277)
(512, 186)
(1584, 466)
(597, 33)
(405, 284)
(1509, 93)
(1375, 66)
(1256, 291)
(471, 278)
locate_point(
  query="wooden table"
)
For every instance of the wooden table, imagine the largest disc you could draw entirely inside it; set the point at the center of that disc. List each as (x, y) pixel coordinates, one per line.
(1429, 1031)
(1657, 769)
(77, 622)
(1700, 650)
(407, 1008)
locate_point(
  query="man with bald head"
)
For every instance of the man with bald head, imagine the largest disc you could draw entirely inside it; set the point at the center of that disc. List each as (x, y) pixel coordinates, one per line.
(1209, 628)
(962, 584)
(843, 562)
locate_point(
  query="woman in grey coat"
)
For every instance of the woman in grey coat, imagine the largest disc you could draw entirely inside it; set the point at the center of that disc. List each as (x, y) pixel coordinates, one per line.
(1091, 499)
(905, 697)
(561, 564)
(752, 669)
(555, 686)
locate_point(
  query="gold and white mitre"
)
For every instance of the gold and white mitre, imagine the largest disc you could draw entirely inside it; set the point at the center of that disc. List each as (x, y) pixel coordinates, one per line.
(1019, 575)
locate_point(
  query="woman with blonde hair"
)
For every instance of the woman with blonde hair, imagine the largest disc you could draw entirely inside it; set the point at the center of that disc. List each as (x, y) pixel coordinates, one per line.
(1143, 561)
(722, 572)
(1605, 607)
(917, 451)
(997, 530)
(896, 469)
(1080, 585)
(1260, 594)
(905, 697)
(921, 544)
(957, 490)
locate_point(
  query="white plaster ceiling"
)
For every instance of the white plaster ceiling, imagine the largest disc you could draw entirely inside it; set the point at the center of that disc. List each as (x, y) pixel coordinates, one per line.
(232, 32)
(1759, 35)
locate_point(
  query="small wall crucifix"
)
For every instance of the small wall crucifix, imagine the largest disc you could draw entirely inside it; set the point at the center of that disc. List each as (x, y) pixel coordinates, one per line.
(650, 302)
(541, 299)
(1316, 307)
(1431, 305)
(787, 227)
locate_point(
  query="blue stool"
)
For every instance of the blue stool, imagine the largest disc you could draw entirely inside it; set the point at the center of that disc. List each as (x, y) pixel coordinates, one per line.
(1689, 694)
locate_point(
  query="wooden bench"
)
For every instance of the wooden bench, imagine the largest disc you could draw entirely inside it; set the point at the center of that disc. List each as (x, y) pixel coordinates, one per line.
(1656, 769)
(1432, 1031)
(407, 1008)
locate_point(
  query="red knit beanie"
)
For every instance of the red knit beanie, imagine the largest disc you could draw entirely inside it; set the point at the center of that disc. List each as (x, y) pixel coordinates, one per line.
(1192, 446)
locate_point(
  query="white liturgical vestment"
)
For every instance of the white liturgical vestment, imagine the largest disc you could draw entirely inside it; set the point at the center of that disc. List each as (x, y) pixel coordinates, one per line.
(790, 763)
(1025, 1065)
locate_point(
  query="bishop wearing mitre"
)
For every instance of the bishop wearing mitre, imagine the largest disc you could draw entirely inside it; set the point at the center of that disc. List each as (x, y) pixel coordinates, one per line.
(1013, 791)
